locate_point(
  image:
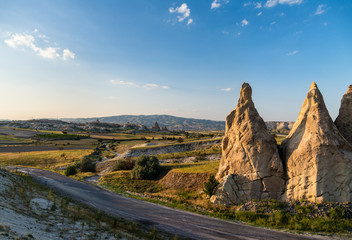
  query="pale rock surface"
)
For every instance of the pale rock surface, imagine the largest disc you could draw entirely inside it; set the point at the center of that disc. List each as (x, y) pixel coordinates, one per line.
(343, 121)
(317, 157)
(250, 167)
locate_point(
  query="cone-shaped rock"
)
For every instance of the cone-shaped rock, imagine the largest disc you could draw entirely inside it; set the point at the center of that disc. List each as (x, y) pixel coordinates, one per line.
(318, 158)
(250, 167)
(343, 122)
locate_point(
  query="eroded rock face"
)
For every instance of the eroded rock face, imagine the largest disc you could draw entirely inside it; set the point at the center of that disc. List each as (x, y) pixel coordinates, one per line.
(250, 167)
(317, 157)
(343, 121)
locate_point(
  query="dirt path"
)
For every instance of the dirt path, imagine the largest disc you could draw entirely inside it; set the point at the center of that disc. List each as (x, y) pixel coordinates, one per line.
(184, 224)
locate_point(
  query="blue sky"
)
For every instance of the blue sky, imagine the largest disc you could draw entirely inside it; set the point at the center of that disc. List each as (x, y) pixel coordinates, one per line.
(183, 58)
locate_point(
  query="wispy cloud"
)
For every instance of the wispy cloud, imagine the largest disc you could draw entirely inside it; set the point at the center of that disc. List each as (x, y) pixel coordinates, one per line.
(260, 13)
(67, 54)
(183, 13)
(244, 22)
(292, 53)
(320, 9)
(218, 3)
(255, 4)
(150, 86)
(123, 83)
(215, 4)
(28, 41)
(273, 3)
(147, 86)
(226, 89)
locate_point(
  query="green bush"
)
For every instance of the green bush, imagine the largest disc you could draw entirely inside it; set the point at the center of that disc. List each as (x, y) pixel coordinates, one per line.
(210, 186)
(146, 167)
(87, 164)
(336, 213)
(124, 164)
(70, 170)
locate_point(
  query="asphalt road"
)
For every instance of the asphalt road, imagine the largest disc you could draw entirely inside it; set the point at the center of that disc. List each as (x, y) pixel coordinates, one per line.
(182, 223)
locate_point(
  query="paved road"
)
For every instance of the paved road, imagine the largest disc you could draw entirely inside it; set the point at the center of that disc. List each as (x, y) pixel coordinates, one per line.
(184, 224)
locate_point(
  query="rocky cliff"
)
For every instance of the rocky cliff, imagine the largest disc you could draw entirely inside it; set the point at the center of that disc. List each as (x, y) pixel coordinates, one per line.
(343, 121)
(317, 156)
(250, 166)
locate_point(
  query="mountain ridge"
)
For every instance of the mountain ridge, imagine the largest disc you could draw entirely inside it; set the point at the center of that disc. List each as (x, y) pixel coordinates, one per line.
(174, 122)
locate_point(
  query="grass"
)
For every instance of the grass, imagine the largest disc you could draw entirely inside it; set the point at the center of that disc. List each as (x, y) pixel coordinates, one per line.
(195, 153)
(14, 139)
(43, 159)
(120, 181)
(279, 139)
(210, 167)
(172, 144)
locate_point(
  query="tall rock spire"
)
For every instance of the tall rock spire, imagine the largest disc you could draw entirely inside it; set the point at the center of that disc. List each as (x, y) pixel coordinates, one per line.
(250, 167)
(343, 121)
(317, 157)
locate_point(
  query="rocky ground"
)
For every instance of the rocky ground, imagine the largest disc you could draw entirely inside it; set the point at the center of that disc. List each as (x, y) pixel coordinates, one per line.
(29, 212)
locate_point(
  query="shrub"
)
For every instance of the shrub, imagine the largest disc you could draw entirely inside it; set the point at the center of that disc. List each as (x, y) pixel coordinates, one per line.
(87, 164)
(146, 167)
(70, 170)
(336, 213)
(210, 186)
(124, 164)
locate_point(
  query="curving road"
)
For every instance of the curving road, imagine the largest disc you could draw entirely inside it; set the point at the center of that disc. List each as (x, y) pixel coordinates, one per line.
(182, 223)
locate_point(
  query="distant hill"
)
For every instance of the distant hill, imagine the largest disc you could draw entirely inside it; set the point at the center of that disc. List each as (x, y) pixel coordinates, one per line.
(171, 122)
(175, 123)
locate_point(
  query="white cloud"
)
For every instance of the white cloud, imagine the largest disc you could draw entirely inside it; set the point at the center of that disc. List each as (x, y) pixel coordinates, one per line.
(260, 13)
(273, 3)
(272, 23)
(292, 53)
(49, 53)
(20, 40)
(218, 3)
(215, 4)
(238, 34)
(28, 41)
(321, 9)
(189, 21)
(123, 83)
(150, 86)
(255, 4)
(183, 12)
(226, 89)
(244, 22)
(66, 54)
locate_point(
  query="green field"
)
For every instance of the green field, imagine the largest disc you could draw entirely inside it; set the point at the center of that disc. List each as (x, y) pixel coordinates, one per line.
(43, 159)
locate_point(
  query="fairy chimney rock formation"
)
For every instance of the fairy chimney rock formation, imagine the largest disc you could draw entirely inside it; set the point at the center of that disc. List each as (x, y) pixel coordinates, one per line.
(317, 157)
(343, 121)
(155, 127)
(250, 167)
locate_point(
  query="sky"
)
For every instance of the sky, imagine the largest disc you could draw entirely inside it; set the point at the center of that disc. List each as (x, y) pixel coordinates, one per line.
(185, 58)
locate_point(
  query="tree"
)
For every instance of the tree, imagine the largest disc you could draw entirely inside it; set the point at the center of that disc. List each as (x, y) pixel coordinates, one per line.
(86, 164)
(210, 186)
(70, 170)
(146, 167)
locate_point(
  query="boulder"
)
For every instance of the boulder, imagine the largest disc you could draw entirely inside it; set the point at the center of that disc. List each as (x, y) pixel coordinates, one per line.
(343, 121)
(250, 166)
(317, 156)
